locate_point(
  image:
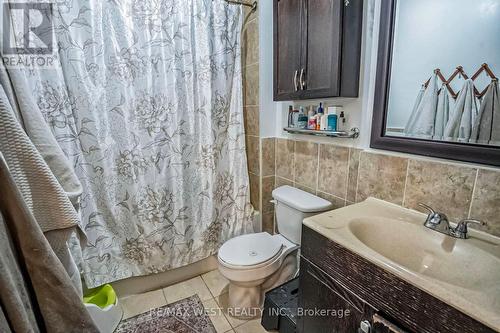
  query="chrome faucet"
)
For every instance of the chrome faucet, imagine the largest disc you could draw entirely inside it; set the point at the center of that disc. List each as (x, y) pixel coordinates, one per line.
(436, 221)
(439, 222)
(460, 231)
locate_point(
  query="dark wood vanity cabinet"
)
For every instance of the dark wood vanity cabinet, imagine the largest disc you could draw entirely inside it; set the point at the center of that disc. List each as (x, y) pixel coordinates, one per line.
(336, 279)
(321, 293)
(317, 48)
(348, 313)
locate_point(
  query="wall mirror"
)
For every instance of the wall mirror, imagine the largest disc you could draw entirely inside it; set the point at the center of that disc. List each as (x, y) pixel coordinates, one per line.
(437, 90)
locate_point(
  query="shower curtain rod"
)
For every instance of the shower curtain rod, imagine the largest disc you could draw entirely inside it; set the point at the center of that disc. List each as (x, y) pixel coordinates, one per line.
(235, 2)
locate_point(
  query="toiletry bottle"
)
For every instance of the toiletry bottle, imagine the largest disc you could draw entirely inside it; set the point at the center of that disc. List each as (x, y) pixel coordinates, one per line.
(319, 116)
(324, 121)
(321, 110)
(312, 123)
(311, 119)
(302, 121)
(342, 126)
(290, 114)
(295, 118)
(332, 118)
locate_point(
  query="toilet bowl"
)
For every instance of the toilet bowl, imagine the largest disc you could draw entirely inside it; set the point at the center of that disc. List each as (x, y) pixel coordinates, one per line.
(255, 263)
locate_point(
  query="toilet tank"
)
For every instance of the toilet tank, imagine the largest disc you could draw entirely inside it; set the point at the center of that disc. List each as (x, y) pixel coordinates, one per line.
(292, 207)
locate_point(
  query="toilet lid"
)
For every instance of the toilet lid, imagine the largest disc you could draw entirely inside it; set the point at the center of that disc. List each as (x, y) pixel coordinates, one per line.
(249, 250)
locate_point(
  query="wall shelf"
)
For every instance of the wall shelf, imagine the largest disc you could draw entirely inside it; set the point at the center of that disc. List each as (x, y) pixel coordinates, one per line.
(352, 134)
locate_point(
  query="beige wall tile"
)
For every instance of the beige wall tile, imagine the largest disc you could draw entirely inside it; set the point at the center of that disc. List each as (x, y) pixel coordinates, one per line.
(267, 196)
(282, 182)
(381, 176)
(285, 161)
(137, 304)
(352, 181)
(251, 85)
(250, 15)
(250, 43)
(333, 164)
(255, 191)
(268, 222)
(250, 73)
(268, 158)
(305, 188)
(336, 201)
(306, 164)
(251, 119)
(486, 202)
(253, 154)
(445, 187)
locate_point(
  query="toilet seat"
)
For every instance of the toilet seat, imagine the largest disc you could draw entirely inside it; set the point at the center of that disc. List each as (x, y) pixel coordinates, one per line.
(250, 251)
(262, 270)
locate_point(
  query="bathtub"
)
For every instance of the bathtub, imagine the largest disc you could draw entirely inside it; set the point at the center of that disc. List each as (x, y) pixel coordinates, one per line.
(142, 284)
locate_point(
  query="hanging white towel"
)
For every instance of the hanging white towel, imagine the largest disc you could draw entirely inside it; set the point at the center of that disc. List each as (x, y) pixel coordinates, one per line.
(421, 123)
(459, 127)
(495, 127)
(46, 199)
(486, 128)
(442, 113)
(413, 114)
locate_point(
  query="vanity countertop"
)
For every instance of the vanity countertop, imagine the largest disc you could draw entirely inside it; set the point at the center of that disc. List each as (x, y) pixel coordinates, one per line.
(464, 273)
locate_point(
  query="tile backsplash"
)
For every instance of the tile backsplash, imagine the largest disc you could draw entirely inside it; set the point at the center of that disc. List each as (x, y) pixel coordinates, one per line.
(381, 176)
(347, 175)
(449, 187)
(306, 159)
(486, 200)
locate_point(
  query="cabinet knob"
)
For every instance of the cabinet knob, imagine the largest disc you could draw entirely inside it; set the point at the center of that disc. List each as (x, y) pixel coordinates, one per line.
(365, 327)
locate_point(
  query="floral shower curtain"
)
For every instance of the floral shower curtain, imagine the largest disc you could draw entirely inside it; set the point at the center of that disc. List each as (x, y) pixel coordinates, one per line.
(147, 104)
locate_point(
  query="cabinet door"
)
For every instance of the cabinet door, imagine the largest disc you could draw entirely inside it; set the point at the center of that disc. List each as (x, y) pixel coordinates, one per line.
(288, 30)
(323, 47)
(318, 292)
(382, 325)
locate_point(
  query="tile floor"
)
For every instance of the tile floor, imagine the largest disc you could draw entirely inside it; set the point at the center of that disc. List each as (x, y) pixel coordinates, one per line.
(212, 290)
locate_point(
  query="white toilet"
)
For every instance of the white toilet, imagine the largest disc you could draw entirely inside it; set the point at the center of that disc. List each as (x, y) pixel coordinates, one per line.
(256, 263)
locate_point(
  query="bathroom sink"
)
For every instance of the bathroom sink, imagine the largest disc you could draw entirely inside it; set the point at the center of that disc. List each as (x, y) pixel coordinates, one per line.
(420, 250)
(464, 273)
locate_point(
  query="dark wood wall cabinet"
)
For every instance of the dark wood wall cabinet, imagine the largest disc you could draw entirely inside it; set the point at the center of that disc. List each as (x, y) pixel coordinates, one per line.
(332, 277)
(317, 48)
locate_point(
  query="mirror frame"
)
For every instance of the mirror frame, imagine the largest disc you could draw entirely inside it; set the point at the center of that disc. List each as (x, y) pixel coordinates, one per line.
(477, 153)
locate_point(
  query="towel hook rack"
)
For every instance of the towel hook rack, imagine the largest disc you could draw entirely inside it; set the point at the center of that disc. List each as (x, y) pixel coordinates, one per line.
(460, 71)
(484, 67)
